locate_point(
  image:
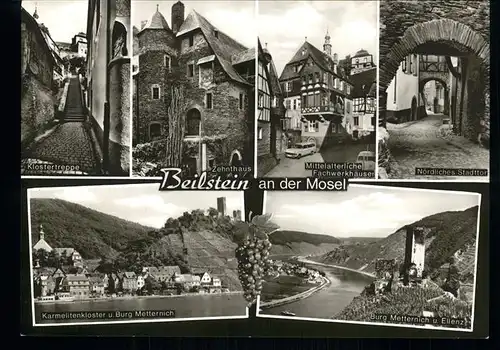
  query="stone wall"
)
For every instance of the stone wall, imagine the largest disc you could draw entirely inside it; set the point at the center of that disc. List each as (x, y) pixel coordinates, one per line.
(38, 107)
(264, 144)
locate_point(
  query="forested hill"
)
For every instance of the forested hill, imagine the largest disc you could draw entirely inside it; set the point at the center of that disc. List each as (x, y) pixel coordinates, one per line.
(94, 234)
(450, 233)
(301, 243)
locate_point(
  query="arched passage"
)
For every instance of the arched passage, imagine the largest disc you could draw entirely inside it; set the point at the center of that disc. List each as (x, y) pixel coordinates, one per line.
(435, 94)
(448, 38)
(236, 158)
(119, 40)
(193, 122)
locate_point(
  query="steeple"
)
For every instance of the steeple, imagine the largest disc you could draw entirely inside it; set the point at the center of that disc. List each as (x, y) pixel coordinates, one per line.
(327, 46)
(157, 8)
(35, 15)
(42, 234)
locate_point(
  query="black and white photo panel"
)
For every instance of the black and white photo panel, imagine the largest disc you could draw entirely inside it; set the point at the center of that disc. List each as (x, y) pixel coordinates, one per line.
(193, 86)
(374, 255)
(317, 86)
(129, 253)
(434, 93)
(75, 91)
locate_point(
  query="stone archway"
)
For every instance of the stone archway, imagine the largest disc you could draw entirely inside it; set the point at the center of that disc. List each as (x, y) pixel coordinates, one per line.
(236, 159)
(446, 92)
(424, 38)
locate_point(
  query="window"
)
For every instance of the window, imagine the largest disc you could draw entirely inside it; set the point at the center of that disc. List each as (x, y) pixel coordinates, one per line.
(154, 131)
(167, 61)
(259, 133)
(310, 78)
(404, 64)
(190, 70)
(348, 107)
(295, 69)
(304, 101)
(317, 77)
(341, 85)
(241, 101)
(216, 33)
(208, 101)
(191, 41)
(289, 86)
(193, 120)
(395, 92)
(304, 79)
(415, 66)
(155, 92)
(288, 104)
(313, 126)
(261, 100)
(294, 104)
(348, 89)
(356, 121)
(335, 83)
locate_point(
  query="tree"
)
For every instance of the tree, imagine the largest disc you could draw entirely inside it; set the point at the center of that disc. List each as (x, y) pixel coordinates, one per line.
(345, 65)
(452, 283)
(151, 284)
(176, 115)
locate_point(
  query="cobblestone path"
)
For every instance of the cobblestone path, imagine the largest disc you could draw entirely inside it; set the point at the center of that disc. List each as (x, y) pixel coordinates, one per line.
(67, 150)
(420, 144)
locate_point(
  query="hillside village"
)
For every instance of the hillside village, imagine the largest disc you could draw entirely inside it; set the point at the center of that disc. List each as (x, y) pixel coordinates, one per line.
(66, 276)
(279, 268)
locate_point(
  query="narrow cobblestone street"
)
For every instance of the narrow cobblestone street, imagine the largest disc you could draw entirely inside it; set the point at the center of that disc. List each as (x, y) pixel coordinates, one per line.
(422, 144)
(66, 150)
(289, 167)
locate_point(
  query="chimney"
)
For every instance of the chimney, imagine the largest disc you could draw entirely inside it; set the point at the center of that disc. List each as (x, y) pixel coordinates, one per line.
(143, 24)
(177, 16)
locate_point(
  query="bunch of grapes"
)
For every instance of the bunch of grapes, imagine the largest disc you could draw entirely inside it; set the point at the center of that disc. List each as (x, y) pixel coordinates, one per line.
(252, 256)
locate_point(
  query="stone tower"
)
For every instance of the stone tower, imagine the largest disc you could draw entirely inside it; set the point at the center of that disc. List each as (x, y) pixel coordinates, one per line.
(42, 234)
(177, 16)
(221, 205)
(415, 249)
(327, 46)
(35, 14)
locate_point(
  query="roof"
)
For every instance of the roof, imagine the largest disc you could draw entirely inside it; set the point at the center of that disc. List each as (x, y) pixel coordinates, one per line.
(29, 20)
(318, 56)
(243, 56)
(272, 73)
(363, 82)
(129, 274)
(223, 46)
(361, 53)
(157, 21)
(42, 244)
(74, 278)
(187, 278)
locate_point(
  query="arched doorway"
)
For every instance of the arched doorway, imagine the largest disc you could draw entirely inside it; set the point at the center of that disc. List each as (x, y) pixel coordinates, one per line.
(193, 122)
(154, 131)
(448, 38)
(236, 158)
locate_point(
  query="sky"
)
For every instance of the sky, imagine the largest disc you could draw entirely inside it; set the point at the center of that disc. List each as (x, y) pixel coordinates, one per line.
(64, 18)
(360, 211)
(352, 26)
(234, 18)
(143, 203)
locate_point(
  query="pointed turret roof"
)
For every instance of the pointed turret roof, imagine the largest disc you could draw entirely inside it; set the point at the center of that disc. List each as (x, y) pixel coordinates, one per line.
(157, 21)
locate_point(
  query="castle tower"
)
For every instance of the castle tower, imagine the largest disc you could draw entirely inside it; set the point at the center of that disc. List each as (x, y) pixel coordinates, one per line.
(327, 46)
(221, 206)
(415, 249)
(177, 16)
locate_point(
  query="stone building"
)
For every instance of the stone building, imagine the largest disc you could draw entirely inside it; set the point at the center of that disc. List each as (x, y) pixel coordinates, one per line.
(108, 81)
(37, 69)
(441, 28)
(194, 91)
(361, 61)
(415, 249)
(271, 138)
(222, 206)
(363, 119)
(79, 44)
(315, 80)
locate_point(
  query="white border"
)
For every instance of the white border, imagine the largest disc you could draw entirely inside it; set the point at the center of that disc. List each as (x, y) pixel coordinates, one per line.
(427, 327)
(110, 322)
(256, 93)
(377, 94)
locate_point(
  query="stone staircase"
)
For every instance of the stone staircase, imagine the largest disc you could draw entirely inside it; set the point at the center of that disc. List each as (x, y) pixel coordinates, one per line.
(74, 111)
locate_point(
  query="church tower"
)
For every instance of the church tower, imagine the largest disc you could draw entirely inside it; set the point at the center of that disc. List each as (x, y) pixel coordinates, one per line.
(42, 244)
(327, 46)
(42, 234)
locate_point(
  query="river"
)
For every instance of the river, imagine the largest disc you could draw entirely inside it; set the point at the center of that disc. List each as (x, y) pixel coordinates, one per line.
(203, 305)
(345, 285)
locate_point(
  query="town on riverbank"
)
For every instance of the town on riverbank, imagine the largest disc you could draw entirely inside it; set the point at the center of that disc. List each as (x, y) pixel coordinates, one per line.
(62, 275)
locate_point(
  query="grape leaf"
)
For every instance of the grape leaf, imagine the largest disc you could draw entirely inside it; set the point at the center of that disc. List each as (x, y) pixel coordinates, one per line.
(241, 232)
(263, 225)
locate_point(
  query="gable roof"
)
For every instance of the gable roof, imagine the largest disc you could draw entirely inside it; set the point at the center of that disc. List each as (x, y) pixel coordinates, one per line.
(318, 56)
(164, 270)
(223, 46)
(243, 56)
(363, 83)
(129, 274)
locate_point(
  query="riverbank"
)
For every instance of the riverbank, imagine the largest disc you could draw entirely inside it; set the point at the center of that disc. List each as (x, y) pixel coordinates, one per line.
(299, 296)
(336, 266)
(139, 297)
